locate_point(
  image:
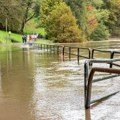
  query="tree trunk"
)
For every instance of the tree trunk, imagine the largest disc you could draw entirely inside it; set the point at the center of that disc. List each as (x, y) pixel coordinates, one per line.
(25, 18)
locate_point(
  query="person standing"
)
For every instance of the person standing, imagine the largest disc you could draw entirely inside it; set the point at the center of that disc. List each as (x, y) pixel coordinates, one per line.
(23, 38)
(30, 40)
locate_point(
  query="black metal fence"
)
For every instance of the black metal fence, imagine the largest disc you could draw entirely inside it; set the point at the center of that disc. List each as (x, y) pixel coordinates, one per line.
(88, 77)
(111, 55)
(89, 69)
(77, 51)
(66, 50)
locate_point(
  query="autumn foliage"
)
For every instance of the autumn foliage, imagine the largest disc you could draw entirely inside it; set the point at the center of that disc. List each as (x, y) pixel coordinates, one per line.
(91, 19)
(61, 25)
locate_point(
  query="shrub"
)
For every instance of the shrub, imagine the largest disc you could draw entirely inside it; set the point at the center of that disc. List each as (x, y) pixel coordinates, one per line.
(100, 33)
(61, 25)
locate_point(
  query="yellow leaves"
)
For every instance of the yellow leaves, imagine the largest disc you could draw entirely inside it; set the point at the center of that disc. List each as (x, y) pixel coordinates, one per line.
(91, 19)
(61, 25)
(92, 22)
(115, 3)
(90, 8)
(118, 3)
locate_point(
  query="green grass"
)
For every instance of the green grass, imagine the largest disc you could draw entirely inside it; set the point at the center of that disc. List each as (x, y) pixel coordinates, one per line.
(30, 27)
(4, 37)
(18, 38)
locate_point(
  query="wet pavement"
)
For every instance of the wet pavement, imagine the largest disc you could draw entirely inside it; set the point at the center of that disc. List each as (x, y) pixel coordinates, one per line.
(38, 85)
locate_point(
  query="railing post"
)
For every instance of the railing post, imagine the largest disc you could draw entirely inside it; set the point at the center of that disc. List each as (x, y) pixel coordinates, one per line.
(89, 52)
(57, 49)
(92, 55)
(47, 48)
(69, 53)
(44, 46)
(41, 46)
(54, 48)
(78, 53)
(85, 80)
(63, 52)
(38, 46)
(111, 57)
(89, 87)
(88, 77)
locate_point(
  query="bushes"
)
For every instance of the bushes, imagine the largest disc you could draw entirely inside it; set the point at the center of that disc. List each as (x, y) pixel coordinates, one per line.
(100, 33)
(63, 27)
(60, 24)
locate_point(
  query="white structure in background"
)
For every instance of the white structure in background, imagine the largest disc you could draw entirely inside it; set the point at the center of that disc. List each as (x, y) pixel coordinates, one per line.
(34, 36)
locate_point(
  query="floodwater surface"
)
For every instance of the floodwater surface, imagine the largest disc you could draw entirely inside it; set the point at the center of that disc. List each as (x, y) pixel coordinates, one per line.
(39, 85)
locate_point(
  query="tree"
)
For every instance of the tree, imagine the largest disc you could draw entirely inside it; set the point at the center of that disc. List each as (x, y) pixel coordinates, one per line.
(114, 17)
(61, 25)
(46, 6)
(100, 31)
(12, 12)
(86, 18)
(30, 10)
(75, 6)
(90, 14)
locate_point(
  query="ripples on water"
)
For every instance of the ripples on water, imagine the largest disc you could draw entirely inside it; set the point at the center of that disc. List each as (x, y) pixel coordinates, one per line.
(38, 85)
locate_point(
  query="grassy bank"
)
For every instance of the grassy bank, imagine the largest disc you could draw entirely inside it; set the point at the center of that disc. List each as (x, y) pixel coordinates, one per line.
(30, 28)
(5, 37)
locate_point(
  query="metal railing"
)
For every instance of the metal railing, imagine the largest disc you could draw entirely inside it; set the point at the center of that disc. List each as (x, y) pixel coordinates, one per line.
(76, 51)
(54, 48)
(88, 77)
(71, 51)
(110, 52)
(89, 70)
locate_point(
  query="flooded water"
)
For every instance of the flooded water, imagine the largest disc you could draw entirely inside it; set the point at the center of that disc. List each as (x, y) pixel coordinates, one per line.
(38, 85)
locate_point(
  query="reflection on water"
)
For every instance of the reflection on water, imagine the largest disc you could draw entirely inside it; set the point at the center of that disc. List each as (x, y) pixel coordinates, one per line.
(36, 85)
(87, 114)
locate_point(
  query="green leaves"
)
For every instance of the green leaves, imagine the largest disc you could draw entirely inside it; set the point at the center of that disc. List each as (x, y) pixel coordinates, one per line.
(10, 10)
(61, 24)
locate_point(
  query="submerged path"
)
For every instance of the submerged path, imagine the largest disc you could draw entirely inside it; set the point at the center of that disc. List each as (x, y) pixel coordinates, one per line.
(38, 85)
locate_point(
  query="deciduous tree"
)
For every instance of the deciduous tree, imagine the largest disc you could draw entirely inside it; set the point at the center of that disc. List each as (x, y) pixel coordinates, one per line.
(30, 10)
(11, 11)
(61, 25)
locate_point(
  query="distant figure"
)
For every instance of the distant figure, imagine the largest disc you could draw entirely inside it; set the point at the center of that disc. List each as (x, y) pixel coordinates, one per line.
(24, 39)
(30, 37)
(30, 40)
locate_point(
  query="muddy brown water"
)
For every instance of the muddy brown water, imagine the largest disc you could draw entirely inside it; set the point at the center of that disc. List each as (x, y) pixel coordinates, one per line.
(38, 85)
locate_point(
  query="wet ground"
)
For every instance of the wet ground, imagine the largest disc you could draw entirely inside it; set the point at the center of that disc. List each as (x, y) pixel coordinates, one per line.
(38, 85)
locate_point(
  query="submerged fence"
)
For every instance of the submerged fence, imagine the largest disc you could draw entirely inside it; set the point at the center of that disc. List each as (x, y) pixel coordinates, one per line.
(78, 52)
(88, 77)
(111, 55)
(66, 50)
(89, 69)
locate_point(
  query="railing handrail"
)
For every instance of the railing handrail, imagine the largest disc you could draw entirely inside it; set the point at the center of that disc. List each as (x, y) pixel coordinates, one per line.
(89, 73)
(88, 76)
(62, 50)
(102, 60)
